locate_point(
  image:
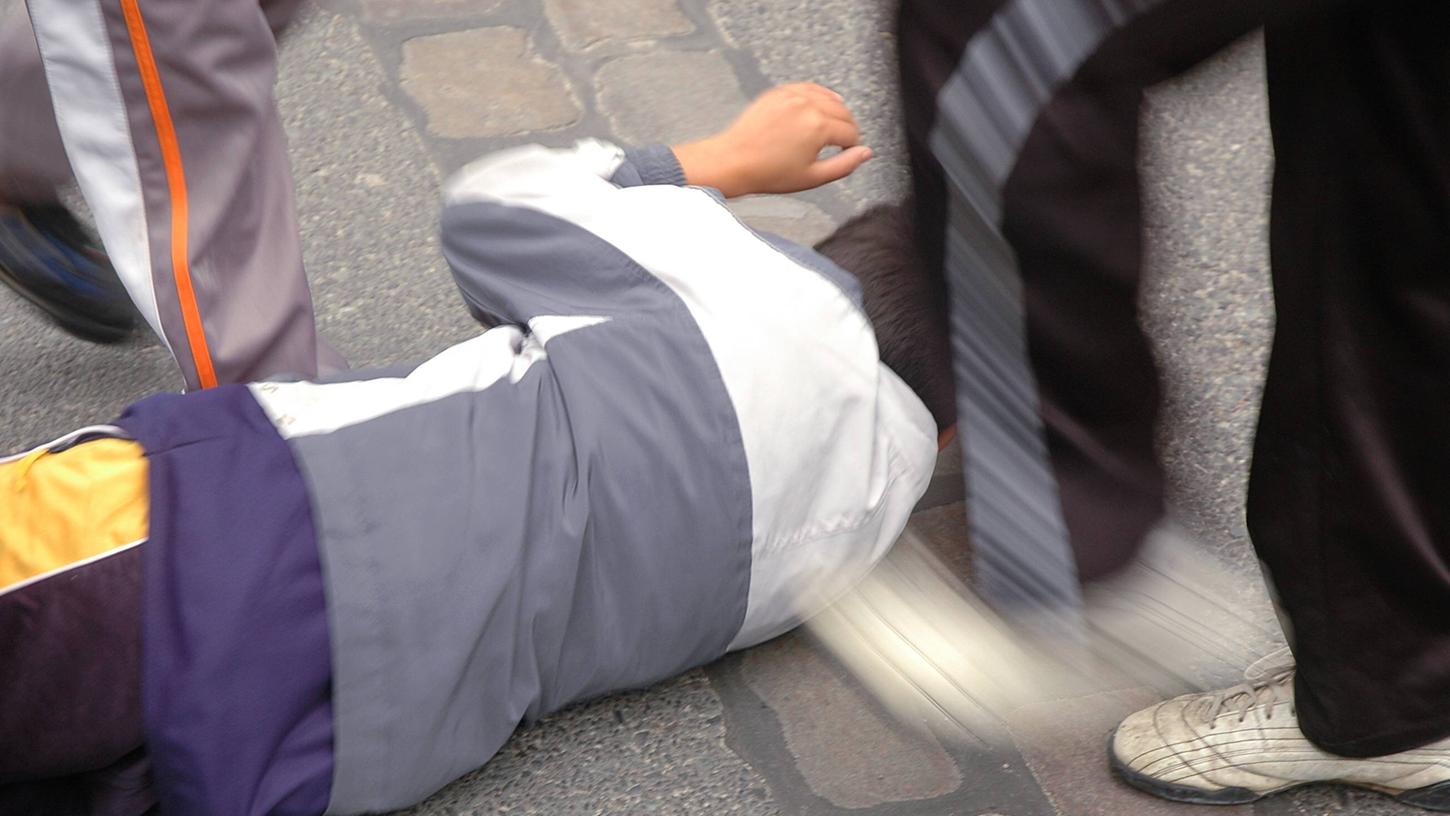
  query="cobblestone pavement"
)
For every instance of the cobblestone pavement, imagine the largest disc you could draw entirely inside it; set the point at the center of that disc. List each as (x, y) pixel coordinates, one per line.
(383, 98)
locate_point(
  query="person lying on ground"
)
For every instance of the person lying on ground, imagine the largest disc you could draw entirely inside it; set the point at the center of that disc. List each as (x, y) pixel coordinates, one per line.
(681, 437)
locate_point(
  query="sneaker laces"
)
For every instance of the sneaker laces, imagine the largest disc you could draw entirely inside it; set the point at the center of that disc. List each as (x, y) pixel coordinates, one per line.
(1268, 682)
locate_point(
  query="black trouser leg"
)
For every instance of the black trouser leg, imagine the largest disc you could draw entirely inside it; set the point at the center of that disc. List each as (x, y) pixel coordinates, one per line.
(1348, 503)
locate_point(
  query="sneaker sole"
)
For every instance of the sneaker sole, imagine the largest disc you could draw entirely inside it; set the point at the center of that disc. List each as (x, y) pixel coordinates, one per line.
(73, 323)
(1431, 797)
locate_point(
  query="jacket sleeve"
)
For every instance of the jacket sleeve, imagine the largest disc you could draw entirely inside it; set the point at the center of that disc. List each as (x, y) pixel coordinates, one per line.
(516, 228)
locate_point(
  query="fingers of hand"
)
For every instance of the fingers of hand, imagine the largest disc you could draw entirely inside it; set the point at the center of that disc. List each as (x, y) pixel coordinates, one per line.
(839, 125)
(838, 166)
(812, 89)
(839, 133)
(806, 97)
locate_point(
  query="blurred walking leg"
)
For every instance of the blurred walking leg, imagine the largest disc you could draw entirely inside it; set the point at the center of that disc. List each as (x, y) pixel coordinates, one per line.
(33, 165)
(167, 112)
(46, 257)
(1022, 118)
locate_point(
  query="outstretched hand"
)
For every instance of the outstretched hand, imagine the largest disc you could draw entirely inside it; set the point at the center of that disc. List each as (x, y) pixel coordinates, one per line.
(775, 145)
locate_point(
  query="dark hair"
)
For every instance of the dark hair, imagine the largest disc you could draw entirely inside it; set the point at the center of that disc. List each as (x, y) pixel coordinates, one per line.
(905, 302)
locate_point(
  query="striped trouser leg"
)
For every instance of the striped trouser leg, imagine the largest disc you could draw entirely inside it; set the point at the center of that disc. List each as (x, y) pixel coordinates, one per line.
(33, 165)
(1022, 118)
(168, 118)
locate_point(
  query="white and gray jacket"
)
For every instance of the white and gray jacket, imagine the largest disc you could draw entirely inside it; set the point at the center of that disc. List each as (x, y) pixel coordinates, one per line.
(679, 441)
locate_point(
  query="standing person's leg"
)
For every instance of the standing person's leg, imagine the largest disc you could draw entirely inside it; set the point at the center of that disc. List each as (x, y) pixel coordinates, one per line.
(167, 111)
(1347, 501)
(975, 84)
(46, 256)
(1022, 117)
(33, 164)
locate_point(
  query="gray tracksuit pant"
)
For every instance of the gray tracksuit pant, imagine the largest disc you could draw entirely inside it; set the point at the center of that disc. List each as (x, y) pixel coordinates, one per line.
(166, 114)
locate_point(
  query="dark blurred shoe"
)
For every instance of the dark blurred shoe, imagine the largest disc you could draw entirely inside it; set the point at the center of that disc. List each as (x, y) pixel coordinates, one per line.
(47, 257)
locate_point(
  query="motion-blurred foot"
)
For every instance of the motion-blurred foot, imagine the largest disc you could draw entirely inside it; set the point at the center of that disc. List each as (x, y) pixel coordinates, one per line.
(46, 257)
(1244, 743)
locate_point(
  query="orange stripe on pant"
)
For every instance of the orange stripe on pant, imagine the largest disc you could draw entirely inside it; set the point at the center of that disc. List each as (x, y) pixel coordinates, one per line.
(176, 183)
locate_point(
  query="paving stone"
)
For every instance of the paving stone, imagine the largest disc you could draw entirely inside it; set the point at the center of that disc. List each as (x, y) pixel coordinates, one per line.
(1333, 800)
(801, 40)
(1207, 163)
(401, 12)
(583, 23)
(848, 750)
(668, 96)
(800, 221)
(950, 459)
(485, 82)
(944, 531)
(367, 200)
(1065, 744)
(995, 780)
(658, 751)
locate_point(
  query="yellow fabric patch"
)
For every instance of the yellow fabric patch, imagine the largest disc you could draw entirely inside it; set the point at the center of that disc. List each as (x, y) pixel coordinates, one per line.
(62, 508)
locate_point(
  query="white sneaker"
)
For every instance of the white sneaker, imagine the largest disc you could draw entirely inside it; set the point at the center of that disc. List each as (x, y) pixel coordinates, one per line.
(1244, 743)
